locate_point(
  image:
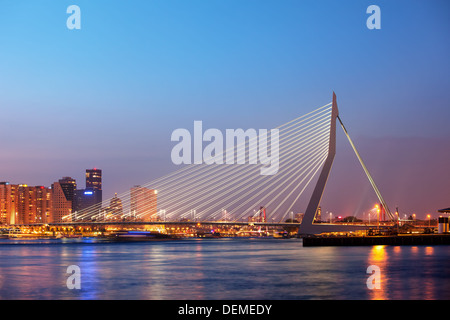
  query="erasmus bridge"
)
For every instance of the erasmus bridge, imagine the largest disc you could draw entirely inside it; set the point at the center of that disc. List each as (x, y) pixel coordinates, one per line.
(225, 194)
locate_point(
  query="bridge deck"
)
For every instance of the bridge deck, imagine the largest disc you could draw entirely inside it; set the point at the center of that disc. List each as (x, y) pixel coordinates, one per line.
(103, 223)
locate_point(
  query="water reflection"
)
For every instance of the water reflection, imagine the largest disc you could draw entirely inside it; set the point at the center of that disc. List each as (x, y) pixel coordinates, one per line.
(378, 257)
(429, 281)
(411, 272)
(222, 269)
(429, 251)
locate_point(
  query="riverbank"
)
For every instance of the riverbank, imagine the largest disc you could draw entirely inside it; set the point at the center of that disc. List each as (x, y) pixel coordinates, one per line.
(397, 240)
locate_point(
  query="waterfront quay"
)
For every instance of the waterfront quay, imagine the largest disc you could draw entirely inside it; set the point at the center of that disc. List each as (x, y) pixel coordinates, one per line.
(396, 240)
(179, 229)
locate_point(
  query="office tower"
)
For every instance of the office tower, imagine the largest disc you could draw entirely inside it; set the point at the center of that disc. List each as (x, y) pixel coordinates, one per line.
(115, 206)
(61, 205)
(8, 203)
(27, 200)
(143, 203)
(69, 186)
(23, 204)
(94, 182)
(90, 198)
(43, 204)
(94, 178)
(34, 204)
(87, 200)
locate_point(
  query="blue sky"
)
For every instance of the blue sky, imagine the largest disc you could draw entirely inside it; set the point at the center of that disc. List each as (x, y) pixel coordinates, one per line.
(109, 95)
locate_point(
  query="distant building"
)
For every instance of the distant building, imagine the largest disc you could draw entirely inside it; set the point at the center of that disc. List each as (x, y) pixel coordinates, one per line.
(69, 187)
(43, 204)
(34, 204)
(27, 203)
(23, 204)
(89, 200)
(61, 205)
(143, 203)
(115, 209)
(299, 217)
(94, 182)
(8, 203)
(115, 206)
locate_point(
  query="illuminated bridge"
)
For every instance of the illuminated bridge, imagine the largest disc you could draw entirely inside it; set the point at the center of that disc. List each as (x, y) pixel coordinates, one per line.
(239, 194)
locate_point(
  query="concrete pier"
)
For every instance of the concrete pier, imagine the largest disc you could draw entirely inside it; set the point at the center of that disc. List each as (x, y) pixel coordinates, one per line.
(398, 240)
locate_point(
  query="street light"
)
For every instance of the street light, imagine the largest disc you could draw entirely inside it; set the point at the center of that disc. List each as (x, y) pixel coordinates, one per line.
(377, 207)
(429, 220)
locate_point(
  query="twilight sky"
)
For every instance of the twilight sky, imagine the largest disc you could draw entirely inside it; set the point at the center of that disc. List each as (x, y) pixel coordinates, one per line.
(109, 95)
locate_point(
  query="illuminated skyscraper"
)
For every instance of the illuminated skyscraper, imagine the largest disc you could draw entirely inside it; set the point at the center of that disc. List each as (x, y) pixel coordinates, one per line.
(115, 206)
(27, 202)
(69, 186)
(143, 203)
(43, 204)
(34, 204)
(94, 183)
(61, 205)
(87, 199)
(8, 202)
(94, 178)
(21, 204)
(91, 197)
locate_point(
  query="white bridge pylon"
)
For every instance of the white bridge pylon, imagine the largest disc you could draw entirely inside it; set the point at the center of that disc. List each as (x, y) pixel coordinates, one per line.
(308, 226)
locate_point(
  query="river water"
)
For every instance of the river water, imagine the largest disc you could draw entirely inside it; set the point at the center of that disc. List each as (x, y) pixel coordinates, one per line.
(218, 269)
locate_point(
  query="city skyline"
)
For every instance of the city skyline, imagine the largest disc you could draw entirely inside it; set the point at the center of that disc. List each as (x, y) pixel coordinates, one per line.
(123, 82)
(225, 157)
(63, 201)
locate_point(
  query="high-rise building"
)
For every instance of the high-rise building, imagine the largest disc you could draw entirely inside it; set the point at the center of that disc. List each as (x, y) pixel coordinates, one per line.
(143, 203)
(61, 205)
(69, 186)
(87, 201)
(115, 206)
(43, 204)
(94, 182)
(34, 204)
(94, 178)
(26, 204)
(8, 203)
(23, 204)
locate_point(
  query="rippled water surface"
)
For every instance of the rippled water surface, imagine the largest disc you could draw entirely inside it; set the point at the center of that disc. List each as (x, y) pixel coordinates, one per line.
(226, 268)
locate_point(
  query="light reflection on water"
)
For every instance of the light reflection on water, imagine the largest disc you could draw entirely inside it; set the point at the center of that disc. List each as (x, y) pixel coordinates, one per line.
(411, 272)
(220, 269)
